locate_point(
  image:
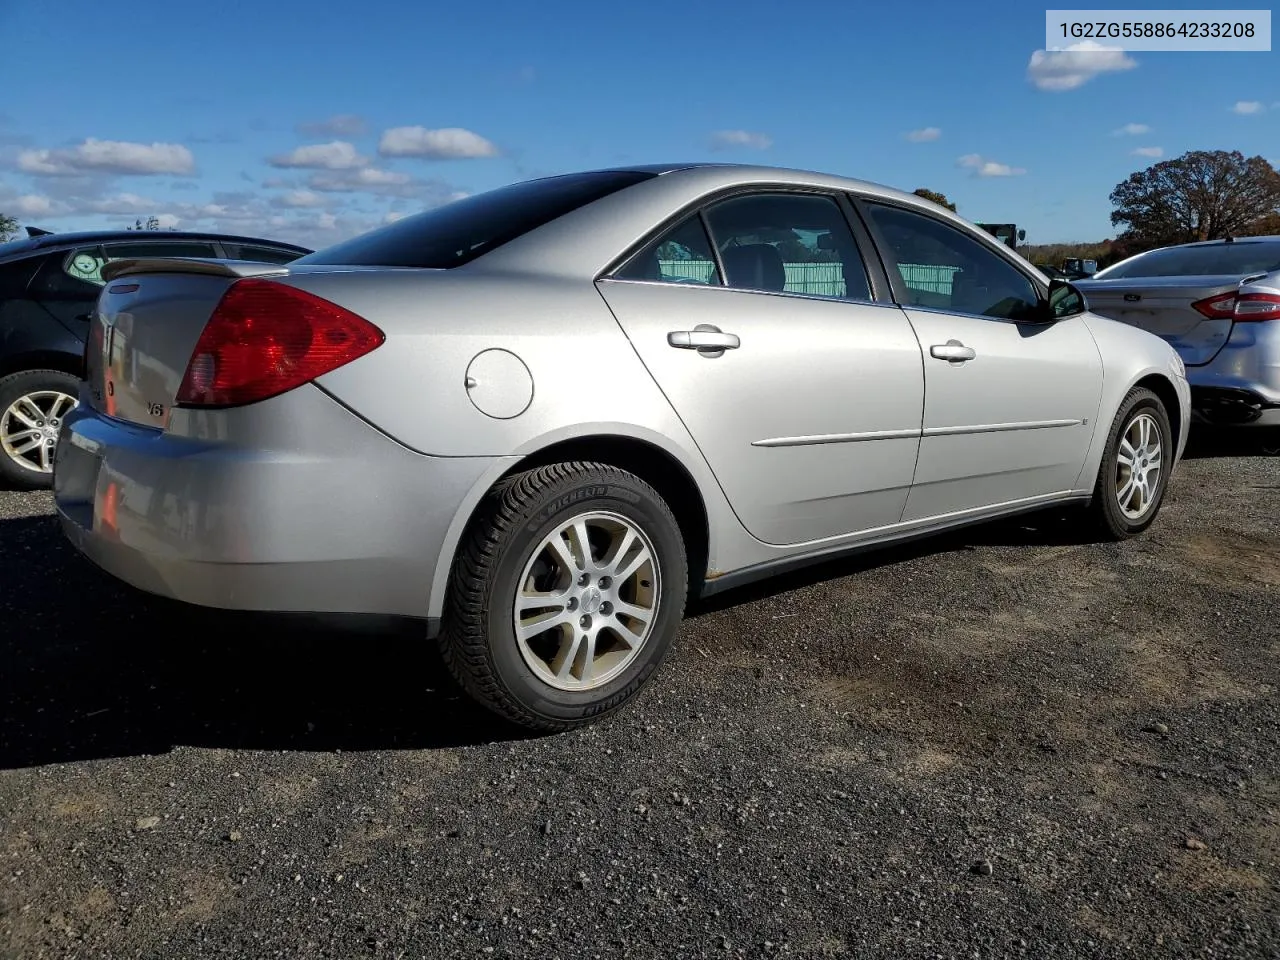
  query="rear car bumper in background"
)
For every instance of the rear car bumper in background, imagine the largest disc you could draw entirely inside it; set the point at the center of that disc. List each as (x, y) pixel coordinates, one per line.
(293, 505)
(1240, 386)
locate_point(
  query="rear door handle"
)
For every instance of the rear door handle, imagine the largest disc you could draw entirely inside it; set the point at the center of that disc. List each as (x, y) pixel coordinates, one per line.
(703, 338)
(953, 351)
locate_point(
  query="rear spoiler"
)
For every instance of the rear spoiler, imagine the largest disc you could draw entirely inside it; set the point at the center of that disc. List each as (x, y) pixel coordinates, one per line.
(236, 269)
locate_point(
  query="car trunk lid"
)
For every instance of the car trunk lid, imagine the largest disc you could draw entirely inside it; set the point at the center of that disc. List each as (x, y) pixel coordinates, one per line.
(148, 320)
(1163, 306)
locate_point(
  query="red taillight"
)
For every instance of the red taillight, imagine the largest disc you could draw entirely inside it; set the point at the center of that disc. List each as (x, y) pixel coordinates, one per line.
(1220, 307)
(1257, 306)
(266, 338)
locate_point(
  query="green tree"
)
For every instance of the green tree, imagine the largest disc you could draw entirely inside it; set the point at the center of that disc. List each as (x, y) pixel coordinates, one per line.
(1201, 195)
(8, 227)
(938, 198)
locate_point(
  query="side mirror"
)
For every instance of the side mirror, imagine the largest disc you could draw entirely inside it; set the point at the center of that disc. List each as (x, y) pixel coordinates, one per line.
(1064, 301)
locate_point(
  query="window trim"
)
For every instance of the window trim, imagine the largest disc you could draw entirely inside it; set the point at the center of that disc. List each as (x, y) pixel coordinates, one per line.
(862, 201)
(877, 278)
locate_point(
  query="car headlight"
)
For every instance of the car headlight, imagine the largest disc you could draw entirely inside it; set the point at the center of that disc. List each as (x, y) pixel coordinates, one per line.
(1177, 366)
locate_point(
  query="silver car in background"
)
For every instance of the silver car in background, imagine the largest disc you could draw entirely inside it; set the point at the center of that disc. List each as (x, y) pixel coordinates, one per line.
(1218, 304)
(540, 417)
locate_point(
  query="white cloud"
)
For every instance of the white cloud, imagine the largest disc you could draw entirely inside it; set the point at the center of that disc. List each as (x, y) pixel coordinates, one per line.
(342, 125)
(300, 199)
(448, 143)
(167, 221)
(1248, 108)
(1131, 130)
(729, 139)
(1149, 152)
(30, 205)
(924, 135)
(982, 167)
(1058, 70)
(365, 180)
(335, 155)
(121, 204)
(109, 156)
(393, 216)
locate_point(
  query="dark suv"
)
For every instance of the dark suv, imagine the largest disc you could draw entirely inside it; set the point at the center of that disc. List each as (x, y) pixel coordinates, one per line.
(49, 284)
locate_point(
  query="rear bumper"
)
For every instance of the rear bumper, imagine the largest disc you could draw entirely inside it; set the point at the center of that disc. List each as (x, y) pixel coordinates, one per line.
(1240, 386)
(291, 505)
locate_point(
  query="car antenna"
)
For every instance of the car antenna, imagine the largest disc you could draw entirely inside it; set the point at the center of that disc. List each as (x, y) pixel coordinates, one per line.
(1228, 239)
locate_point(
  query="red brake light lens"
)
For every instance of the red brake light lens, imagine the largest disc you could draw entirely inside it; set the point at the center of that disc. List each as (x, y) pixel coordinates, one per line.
(266, 338)
(1220, 307)
(1251, 307)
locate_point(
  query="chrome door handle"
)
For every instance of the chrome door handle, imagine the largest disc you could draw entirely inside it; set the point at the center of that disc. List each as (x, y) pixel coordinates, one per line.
(703, 339)
(953, 351)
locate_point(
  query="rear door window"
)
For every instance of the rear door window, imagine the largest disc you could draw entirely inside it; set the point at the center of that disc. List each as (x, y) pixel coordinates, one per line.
(788, 243)
(69, 275)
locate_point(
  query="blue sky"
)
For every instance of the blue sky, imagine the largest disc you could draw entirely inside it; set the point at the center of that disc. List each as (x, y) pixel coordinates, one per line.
(197, 114)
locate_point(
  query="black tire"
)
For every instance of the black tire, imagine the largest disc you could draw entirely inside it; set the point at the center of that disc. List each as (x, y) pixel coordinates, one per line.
(12, 388)
(1110, 520)
(478, 636)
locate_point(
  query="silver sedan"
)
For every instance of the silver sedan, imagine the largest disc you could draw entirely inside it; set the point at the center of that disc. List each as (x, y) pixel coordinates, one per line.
(539, 418)
(1218, 303)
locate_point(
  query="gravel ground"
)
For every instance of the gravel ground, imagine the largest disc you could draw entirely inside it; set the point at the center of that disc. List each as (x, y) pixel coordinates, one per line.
(1003, 743)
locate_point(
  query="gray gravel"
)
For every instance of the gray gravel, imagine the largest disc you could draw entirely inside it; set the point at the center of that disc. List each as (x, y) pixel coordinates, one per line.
(1005, 743)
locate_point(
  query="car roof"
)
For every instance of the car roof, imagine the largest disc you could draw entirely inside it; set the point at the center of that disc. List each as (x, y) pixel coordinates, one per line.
(1223, 242)
(49, 241)
(585, 240)
(731, 174)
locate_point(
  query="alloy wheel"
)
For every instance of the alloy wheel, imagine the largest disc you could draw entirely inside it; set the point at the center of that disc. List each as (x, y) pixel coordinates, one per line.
(587, 601)
(1139, 461)
(29, 428)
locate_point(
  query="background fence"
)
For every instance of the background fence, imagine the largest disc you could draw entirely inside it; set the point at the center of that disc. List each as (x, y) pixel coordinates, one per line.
(822, 279)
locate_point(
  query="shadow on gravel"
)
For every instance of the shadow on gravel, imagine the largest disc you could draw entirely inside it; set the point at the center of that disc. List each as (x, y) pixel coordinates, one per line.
(92, 669)
(1050, 528)
(1224, 442)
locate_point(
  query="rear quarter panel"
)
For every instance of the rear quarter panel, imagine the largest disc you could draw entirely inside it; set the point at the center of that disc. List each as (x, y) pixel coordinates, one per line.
(586, 377)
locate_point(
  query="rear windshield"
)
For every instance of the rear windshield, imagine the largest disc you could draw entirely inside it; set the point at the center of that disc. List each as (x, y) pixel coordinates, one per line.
(458, 232)
(1240, 257)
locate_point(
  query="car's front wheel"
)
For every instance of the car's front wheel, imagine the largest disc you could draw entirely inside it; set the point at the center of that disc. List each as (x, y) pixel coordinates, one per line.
(566, 595)
(33, 404)
(1135, 467)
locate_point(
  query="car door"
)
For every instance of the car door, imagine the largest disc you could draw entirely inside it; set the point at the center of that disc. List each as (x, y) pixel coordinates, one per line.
(67, 286)
(1010, 404)
(756, 318)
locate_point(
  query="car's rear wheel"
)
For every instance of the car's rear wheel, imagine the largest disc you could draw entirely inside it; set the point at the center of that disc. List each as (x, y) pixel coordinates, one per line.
(565, 596)
(33, 404)
(1135, 467)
